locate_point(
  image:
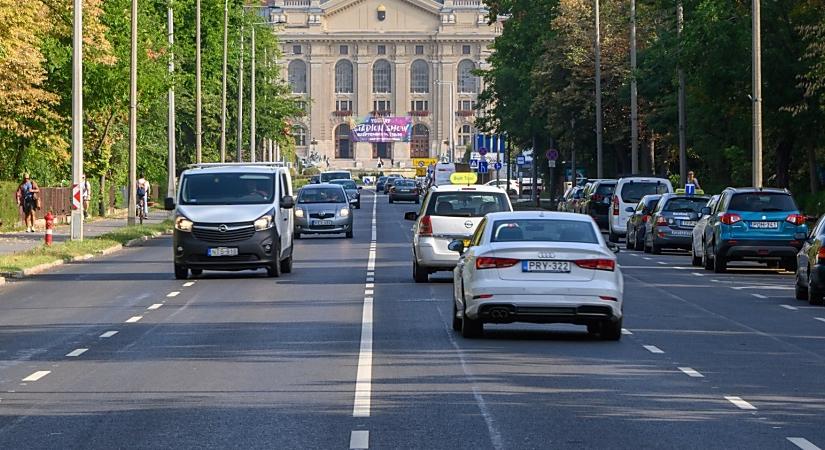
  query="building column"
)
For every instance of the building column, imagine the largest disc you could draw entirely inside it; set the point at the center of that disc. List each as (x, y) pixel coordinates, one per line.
(401, 89)
(363, 90)
(318, 107)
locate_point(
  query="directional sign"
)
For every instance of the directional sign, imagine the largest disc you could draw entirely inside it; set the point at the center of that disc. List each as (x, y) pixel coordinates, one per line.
(551, 163)
(520, 160)
(75, 197)
(483, 167)
(474, 164)
(497, 166)
(552, 154)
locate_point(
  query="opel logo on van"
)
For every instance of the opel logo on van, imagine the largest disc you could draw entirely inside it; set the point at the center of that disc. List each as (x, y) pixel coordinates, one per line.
(223, 228)
(547, 255)
(468, 224)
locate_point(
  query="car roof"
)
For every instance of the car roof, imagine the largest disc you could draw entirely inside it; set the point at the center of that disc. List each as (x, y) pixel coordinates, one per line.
(739, 190)
(670, 195)
(236, 169)
(464, 187)
(322, 185)
(546, 215)
(636, 178)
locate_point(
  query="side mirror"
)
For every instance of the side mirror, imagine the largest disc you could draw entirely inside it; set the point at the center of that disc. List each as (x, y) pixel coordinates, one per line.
(169, 204)
(287, 202)
(694, 216)
(629, 209)
(412, 215)
(456, 246)
(360, 187)
(705, 211)
(613, 247)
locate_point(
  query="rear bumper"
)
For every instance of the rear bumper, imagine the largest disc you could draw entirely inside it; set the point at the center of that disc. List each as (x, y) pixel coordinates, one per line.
(404, 197)
(431, 253)
(668, 240)
(758, 249)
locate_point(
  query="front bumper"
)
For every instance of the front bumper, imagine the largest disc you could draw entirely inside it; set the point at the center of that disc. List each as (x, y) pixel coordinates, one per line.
(253, 253)
(339, 225)
(758, 249)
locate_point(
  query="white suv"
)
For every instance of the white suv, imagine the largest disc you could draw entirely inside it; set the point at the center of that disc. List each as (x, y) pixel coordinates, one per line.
(447, 213)
(626, 196)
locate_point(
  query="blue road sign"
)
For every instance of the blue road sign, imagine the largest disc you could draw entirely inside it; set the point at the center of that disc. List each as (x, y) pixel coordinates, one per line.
(474, 164)
(483, 167)
(690, 189)
(494, 143)
(482, 151)
(497, 166)
(520, 160)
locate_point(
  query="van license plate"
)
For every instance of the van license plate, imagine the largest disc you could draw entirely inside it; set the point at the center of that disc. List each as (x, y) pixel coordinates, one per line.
(765, 225)
(321, 223)
(222, 251)
(546, 266)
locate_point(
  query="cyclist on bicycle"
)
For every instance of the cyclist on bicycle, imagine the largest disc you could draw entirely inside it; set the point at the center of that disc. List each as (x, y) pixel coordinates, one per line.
(143, 188)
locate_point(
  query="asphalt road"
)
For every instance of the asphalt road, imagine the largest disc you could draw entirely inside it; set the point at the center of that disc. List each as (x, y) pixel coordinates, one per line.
(336, 355)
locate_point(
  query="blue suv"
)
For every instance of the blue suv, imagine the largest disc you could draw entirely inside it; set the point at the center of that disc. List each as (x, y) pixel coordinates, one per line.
(753, 224)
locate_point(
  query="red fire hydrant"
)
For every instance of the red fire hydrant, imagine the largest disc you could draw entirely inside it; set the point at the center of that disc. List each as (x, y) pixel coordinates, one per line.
(49, 227)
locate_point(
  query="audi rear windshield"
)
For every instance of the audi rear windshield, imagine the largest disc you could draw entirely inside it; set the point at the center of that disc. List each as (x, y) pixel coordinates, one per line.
(227, 189)
(762, 202)
(544, 230)
(466, 203)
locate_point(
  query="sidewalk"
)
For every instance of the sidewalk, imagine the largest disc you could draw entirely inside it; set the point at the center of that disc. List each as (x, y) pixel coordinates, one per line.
(14, 242)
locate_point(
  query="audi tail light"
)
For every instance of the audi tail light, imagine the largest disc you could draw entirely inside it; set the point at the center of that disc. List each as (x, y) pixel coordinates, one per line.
(488, 262)
(597, 264)
(425, 228)
(730, 218)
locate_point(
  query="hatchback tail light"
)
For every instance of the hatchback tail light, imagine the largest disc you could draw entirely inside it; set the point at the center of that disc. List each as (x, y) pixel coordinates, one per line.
(597, 264)
(615, 205)
(645, 218)
(425, 228)
(796, 219)
(487, 262)
(820, 256)
(730, 218)
(596, 197)
(661, 221)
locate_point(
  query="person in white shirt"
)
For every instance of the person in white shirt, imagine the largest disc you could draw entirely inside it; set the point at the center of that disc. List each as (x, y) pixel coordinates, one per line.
(144, 187)
(86, 195)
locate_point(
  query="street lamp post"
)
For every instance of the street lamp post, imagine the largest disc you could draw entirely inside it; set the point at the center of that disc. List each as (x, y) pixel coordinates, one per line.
(77, 115)
(451, 122)
(598, 54)
(223, 80)
(634, 94)
(132, 194)
(757, 94)
(198, 99)
(240, 100)
(171, 164)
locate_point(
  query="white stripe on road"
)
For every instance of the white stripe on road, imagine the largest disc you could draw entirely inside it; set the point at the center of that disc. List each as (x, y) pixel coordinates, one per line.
(108, 334)
(359, 439)
(646, 258)
(803, 443)
(370, 285)
(626, 331)
(661, 262)
(37, 375)
(691, 372)
(741, 404)
(173, 294)
(370, 274)
(370, 279)
(653, 349)
(134, 319)
(77, 352)
(792, 308)
(363, 380)
(697, 274)
(759, 296)
(188, 284)
(155, 306)
(821, 319)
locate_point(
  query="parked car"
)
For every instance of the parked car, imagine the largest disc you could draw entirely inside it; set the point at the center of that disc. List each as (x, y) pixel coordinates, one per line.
(637, 223)
(389, 182)
(315, 179)
(755, 224)
(539, 267)
(671, 224)
(405, 190)
(810, 267)
(569, 199)
(696, 244)
(449, 212)
(596, 201)
(502, 184)
(353, 191)
(629, 191)
(323, 209)
(379, 184)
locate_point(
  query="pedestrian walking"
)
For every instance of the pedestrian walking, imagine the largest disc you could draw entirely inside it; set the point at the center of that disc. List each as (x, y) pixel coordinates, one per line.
(380, 162)
(27, 200)
(691, 179)
(86, 195)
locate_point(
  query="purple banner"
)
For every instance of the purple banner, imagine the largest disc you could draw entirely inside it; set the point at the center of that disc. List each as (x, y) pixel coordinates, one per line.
(383, 129)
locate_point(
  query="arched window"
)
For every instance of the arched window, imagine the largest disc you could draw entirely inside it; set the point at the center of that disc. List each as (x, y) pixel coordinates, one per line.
(297, 75)
(343, 147)
(420, 77)
(299, 133)
(467, 82)
(420, 142)
(465, 136)
(382, 77)
(343, 77)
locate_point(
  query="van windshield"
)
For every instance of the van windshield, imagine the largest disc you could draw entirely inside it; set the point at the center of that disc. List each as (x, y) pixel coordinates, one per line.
(466, 204)
(633, 192)
(329, 176)
(227, 189)
(321, 195)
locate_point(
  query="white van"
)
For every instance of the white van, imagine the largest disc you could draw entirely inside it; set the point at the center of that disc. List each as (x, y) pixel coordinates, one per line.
(233, 216)
(442, 172)
(625, 198)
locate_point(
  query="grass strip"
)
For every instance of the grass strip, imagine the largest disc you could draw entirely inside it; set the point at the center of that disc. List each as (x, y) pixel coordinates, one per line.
(65, 251)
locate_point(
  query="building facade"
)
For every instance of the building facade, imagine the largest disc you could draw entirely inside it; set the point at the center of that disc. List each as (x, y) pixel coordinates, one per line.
(347, 59)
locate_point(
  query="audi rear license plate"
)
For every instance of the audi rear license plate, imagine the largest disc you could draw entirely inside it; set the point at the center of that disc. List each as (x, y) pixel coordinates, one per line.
(222, 251)
(546, 266)
(321, 223)
(765, 225)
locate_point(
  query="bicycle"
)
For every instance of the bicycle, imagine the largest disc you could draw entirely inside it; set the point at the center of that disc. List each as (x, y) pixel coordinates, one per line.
(141, 211)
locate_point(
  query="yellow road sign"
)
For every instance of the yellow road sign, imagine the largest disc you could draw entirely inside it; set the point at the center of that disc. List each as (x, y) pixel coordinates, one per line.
(463, 178)
(421, 165)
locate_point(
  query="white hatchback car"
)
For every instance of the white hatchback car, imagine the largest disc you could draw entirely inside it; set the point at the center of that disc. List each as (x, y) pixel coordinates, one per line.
(539, 267)
(447, 213)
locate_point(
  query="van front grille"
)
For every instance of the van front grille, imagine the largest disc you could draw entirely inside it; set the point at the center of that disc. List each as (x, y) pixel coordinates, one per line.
(231, 234)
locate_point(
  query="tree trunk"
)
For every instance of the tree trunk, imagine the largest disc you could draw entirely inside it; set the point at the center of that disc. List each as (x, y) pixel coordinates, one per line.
(813, 170)
(104, 196)
(783, 162)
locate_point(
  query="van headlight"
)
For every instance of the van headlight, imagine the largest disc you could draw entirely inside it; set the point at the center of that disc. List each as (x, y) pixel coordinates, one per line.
(344, 212)
(183, 224)
(264, 223)
(299, 213)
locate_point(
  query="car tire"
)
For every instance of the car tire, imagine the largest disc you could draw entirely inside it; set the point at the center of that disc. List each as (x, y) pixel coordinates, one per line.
(720, 265)
(612, 237)
(349, 234)
(471, 328)
(611, 331)
(274, 269)
(286, 264)
(706, 262)
(645, 248)
(181, 272)
(420, 274)
(801, 293)
(695, 261)
(593, 328)
(627, 241)
(655, 249)
(456, 319)
(390, 199)
(417, 201)
(815, 297)
(297, 235)
(789, 264)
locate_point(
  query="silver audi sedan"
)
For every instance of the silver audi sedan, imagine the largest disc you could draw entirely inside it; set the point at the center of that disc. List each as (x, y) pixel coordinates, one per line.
(323, 209)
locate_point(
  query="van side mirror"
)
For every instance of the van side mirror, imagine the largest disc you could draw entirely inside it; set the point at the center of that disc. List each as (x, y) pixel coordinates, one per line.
(412, 215)
(360, 187)
(169, 204)
(456, 246)
(705, 211)
(287, 202)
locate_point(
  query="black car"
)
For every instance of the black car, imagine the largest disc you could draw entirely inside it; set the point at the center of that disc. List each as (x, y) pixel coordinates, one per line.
(404, 190)
(637, 222)
(672, 222)
(597, 201)
(390, 180)
(810, 267)
(379, 185)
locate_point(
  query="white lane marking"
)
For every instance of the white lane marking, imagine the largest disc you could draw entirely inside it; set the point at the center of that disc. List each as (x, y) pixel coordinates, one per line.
(77, 352)
(646, 258)
(368, 292)
(155, 306)
(697, 274)
(792, 308)
(173, 294)
(189, 284)
(653, 349)
(37, 375)
(821, 319)
(108, 334)
(359, 439)
(134, 319)
(363, 380)
(370, 285)
(626, 331)
(764, 287)
(691, 372)
(370, 274)
(661, 262)
(803, 443)
(759, 296)
(370, 279)
(741, 404)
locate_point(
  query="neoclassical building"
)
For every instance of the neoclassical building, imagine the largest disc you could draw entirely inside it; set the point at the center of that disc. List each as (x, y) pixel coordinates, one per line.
(351, 58)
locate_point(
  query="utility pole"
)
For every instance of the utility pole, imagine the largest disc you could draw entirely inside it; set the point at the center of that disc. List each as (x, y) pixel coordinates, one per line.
(598, 46)
(240, 100)
(198, 130)
(77, 116)
(573, 176)
(252, 147)
(757, 94)
(680, 19)
(132, 197)
(223, 81)
(171, 165)
(634, 95)
(534, 194)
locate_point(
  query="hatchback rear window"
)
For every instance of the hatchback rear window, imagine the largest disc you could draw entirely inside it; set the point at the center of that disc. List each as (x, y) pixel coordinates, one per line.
(762, 202)
(466, 204)
(633, 192)
(685, 204)
(606, 189)
(543, 230)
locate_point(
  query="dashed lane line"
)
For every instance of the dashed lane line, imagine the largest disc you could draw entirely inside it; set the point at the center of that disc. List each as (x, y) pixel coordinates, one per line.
(626, 331)
(359, 439)
(653, 349)
(108, 334)
(741, 404)
(173, 294)
(789, 307)
(759, 296)
(691, 372)
(37, 375)
(697, 274)
(821, 319)
(189, 284)
(155, 306)
(134, 319)
(77, 352)
(803, 443)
